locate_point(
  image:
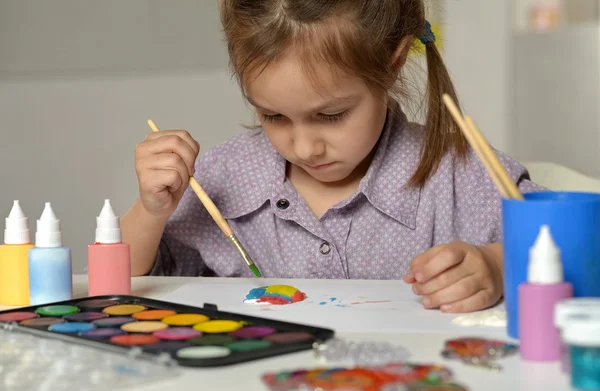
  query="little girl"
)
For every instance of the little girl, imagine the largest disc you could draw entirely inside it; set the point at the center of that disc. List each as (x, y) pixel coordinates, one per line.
(335, 183)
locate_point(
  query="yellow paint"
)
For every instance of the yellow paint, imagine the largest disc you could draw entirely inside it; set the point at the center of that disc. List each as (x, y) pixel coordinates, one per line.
(282, 290)
(153, 314)
(218, 326)
(123, 309)
(149, 326)
(14, 274)
(185, 319)
(419, 48)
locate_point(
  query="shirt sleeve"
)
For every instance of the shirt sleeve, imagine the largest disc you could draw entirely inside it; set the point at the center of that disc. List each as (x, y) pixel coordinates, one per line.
(178, 253)
(478, 201)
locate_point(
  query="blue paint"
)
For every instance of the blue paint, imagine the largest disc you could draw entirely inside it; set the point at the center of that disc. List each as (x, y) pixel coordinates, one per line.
(323, 303)
(71, 327)
(50, 271)
(333, 299)
(258, 293)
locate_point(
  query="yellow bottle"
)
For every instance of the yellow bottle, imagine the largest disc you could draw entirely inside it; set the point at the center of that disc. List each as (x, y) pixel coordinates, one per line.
(14, 259)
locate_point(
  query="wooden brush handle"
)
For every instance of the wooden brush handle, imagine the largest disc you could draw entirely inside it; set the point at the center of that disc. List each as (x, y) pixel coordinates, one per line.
(493, 163)
(211, 207)
(490, 161)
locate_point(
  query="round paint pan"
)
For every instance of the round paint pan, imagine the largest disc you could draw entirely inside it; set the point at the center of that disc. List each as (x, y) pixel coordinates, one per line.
(116, 321)
(144, 326)
(289, 337)
(134, 339)
(177, 333)
(218, 326)
(85, 316)
(57, 310)
(153, 314)
(41, 322)
(71, 327)
(253, 332)
(248, 345)
(212, 340)
(96, 304)
(124, 309)
(105, 332)
(203, 352)
(185, 319)
(17, 316)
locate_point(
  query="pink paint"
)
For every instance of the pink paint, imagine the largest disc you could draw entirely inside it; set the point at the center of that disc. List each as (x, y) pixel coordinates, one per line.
(253, 332)
(539, 337)
(17, 316)
(109, 264)
(177, 333)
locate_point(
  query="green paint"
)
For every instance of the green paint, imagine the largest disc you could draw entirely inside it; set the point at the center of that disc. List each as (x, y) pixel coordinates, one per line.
(248, 345)
(57, 310)
(211, 340)
(255, 271)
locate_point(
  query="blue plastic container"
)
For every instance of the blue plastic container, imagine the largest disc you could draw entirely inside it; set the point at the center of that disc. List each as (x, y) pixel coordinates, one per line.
(574, 220)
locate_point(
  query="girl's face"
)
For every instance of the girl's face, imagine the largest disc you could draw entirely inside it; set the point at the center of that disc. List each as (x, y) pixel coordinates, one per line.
(327, 131)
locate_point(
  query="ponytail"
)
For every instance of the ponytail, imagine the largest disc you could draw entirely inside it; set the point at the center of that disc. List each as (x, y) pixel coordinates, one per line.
(441, 132)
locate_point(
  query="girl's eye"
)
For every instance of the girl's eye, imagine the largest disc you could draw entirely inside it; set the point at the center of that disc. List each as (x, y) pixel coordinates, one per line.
(333, 117)
(271, 118)
(324, 117)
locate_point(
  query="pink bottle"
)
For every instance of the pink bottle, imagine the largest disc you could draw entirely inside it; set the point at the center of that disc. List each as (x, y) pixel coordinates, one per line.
(545, 286)
(109, 263)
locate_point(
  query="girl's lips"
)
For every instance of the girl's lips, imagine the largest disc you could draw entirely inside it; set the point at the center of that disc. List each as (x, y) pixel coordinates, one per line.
(320, 166)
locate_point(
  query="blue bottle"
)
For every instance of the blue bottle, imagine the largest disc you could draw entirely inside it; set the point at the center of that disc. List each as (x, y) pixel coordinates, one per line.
(50, 267)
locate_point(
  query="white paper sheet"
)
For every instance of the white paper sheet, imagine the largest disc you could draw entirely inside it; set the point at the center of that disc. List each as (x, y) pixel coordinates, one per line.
(345, 306)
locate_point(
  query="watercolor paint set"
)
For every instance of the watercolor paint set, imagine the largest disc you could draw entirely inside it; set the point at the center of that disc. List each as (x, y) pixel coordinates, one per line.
(191, 336)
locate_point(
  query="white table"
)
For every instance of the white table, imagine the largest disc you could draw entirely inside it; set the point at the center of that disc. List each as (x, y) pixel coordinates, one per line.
(424, 347)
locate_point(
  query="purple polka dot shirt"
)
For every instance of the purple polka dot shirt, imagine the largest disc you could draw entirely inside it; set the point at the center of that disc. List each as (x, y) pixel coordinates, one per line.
(374, 234)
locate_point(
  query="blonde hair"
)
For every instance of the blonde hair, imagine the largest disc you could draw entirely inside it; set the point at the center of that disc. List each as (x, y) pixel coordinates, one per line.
(358, 37)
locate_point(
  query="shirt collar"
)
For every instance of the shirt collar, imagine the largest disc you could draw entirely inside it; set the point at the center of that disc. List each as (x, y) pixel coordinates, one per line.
(394, 162)
(258, 173)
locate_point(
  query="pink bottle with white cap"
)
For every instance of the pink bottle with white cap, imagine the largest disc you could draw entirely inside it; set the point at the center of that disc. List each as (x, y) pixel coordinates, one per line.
(109, 262)
(545, 286)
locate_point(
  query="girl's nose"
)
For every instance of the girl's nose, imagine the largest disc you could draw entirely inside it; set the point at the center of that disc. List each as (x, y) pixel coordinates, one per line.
(308, 147)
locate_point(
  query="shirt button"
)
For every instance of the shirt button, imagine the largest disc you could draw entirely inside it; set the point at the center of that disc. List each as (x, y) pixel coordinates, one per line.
(325, 248)
(283, 204)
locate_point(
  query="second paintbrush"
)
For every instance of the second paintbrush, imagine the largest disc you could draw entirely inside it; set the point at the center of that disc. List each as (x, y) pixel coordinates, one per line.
(217, 216)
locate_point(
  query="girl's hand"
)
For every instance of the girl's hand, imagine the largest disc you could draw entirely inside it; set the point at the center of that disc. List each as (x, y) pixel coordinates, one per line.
(164, 162)
(458, 277)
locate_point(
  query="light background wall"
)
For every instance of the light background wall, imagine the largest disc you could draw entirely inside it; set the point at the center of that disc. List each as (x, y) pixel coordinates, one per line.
(79, 79)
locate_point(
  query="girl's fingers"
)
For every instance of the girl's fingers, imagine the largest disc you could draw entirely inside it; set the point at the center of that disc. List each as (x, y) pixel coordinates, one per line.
(419, 261)
(441, 281)
(478, 301)
(158, 143)
(183, 134)
(441, 261)
(463, 288)
(160, 171)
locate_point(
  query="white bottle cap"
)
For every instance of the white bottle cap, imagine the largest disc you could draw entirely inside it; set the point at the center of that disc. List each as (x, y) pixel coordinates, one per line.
(582, 330)
(108, 229)
(17, 226)
(575, 306)
(48, 229)
(545, 266)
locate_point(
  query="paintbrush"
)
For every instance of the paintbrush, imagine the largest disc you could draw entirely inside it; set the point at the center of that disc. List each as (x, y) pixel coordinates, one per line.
(217, 216)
